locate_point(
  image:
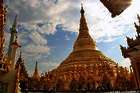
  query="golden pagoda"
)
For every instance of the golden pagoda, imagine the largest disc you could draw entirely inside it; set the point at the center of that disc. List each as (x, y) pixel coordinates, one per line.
(86, 68)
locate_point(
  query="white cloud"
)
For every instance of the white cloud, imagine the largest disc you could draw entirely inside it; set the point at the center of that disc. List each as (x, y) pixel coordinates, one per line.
(49, 65)
(37, 38)
(36, 49)
(102, 25)
(67, 13)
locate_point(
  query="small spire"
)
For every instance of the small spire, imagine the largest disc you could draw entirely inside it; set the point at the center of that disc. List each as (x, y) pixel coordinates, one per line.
(36, 65)
(84, 37)
(124, 51)
(15, 22)
(13, 29)
(19, 61)
(138, 18)
(82, 9)
(83, 23)
(36, 73)
(20, 55)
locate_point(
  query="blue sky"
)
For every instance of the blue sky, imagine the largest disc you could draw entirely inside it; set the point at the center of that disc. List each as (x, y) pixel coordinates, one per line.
(47, 29)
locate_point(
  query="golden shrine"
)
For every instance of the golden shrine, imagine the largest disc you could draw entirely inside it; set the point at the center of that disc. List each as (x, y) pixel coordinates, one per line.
(87, 68)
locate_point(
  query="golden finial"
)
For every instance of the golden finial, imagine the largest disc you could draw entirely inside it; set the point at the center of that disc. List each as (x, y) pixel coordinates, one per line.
(20, 54)
(82, 9)
(15, 21)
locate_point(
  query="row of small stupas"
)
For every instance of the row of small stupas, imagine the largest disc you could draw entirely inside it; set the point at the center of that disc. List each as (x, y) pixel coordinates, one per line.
(86, 68)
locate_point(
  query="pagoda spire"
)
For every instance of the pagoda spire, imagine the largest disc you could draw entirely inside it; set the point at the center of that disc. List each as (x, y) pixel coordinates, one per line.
(19, 61)
(84, 40)
(36, 67)
(36, 73)
(83, 23)
(20, 58)
(13, 37)
(15, 24)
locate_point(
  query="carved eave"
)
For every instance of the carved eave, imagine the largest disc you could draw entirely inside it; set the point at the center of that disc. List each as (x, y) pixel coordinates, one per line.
(130, 51)
(130, 41)
(124, 51)
(138, 18)
(135, 52)
(137, 29)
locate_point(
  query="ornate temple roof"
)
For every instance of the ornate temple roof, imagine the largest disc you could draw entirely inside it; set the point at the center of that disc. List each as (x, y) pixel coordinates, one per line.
(133, 44)
(84, 49)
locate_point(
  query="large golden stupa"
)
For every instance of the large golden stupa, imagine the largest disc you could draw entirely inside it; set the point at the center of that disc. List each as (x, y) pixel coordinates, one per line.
(86, 68)
(84, 52)
(84, 64)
